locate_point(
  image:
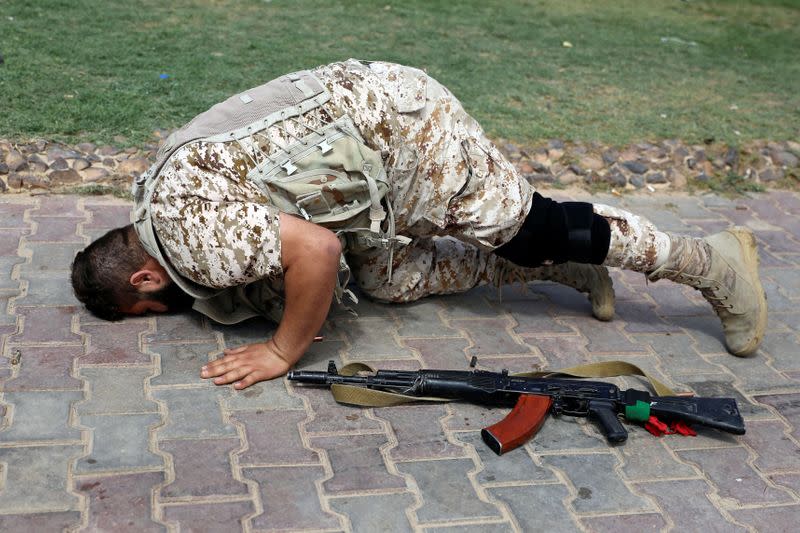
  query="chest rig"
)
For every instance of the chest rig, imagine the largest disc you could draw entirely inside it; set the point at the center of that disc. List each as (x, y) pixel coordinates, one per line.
(328, 176)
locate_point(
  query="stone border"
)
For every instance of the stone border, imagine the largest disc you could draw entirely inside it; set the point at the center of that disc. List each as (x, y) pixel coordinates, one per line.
(670, 164)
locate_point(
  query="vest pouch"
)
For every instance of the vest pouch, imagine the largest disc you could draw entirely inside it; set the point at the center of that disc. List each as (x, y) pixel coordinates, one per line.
(328, 179)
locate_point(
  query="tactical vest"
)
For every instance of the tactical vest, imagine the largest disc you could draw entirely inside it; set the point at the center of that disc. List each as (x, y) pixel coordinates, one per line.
(328, 177)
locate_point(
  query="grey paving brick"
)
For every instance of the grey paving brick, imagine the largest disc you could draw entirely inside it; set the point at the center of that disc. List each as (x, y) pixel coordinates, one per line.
(253, 330)
(289, 498)
(530, 517)
(45, 367)
(561, 352)
(473, 304)
(194, 413)
(687, 504)
(790, 481)
(209, 517)
(630, 522)
(357, 463)
(373, 338)
(34, 522)
(50, 257)
(783, 348)
(787, 406)
(776, 300)
(181, 363)
(531, 313)
(45, 325)
(484, 525)
(597, 482)
(7, 265)
(267, 395)
(202, 468)
(116, 390)
(729, 471)
(115, 342)
(273, 438)
(447, 493)
(605, 337)
(58, 206)
(786, 279)
(35, 479)
(56, 229)
(776, 451)
(12, 213)
(107, 216)
(331, 416)
(754, 374)
(52, 288)
(512, 467)
(564, 301)
(645, 458)
(490, 336)
(40, 416)
(677, 355)
(118, 442)
(441, 353)
(9, 241)
(182, 327)
(706, 331)
(419, 432)
(121, 502)
(422, 319)
(641, 316)
(375, 512)
(781, 519)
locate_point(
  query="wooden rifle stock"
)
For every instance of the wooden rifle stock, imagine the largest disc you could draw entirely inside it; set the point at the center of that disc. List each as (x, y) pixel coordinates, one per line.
(522, 423)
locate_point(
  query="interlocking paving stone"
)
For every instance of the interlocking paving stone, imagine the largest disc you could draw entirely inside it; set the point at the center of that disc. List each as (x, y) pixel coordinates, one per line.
(40, 416)
(631, 522)
(7, 265)
(512, 467)
(330, 416)
(35, 479)
(9, 242)
(193, 413)
(481, 527)
(45, 367)
(447, 493)
(34, 522)
(184, 327)
(733, 477)
(50, 288)
(12, 213)
(56, 230)
(372, 338)
(209, 517)
(273, 438)
(202, 468)
(419, 432)
(781, 519)
(121, 502)
(247, 332)
(46, 325)
(787, 406)
(289, 498)
(688, 504)
(58, 206)
(441, 353)
(108, 216)
(564, 301)
(677, 355)
(116, 390)
(561, 352)
(357, 463)
(599, 487)
(181, 363)
(548, 513)
(267, 395)
(783, 348)
(790, 481)
(422, 319)
(119, 442)
(473, 304)
(642, 317)
(490, 337)
(753, 374)
(645, 457)
(385, 512)
(115, 342)
(776, 451)
(49, 257)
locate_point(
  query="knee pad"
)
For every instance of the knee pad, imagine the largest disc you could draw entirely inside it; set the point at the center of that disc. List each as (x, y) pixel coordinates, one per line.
(558, 232)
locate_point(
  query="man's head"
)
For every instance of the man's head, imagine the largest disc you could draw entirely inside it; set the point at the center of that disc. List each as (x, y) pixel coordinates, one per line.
(115, 276)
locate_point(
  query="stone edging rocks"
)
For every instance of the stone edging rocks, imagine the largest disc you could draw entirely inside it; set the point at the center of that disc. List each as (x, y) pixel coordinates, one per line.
(672, 165)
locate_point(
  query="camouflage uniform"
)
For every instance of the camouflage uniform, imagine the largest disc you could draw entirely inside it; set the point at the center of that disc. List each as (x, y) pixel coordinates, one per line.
(452, 192)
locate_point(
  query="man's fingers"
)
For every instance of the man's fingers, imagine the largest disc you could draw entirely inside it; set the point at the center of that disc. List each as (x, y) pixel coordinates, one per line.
(234, 375)
(249, 379)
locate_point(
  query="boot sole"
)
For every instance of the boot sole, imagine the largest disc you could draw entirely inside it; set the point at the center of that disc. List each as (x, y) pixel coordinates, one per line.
(751, 261)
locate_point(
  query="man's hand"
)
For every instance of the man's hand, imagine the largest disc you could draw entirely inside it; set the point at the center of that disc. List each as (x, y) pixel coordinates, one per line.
(310, 260)
(246, 365)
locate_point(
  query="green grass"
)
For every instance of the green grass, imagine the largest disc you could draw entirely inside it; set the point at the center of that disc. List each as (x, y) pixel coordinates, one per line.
(89, 70)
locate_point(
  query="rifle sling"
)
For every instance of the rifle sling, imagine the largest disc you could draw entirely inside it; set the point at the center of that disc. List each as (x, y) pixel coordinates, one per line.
(354, 395)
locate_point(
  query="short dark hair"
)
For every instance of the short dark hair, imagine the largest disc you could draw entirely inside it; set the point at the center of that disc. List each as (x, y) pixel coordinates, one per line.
(101, 272)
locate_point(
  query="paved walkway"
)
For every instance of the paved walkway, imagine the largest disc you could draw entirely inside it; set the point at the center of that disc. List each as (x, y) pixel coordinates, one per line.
(107, 426)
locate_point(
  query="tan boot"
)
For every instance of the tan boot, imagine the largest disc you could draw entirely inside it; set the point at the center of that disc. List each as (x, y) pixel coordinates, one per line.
(724, 268)
(591, 279)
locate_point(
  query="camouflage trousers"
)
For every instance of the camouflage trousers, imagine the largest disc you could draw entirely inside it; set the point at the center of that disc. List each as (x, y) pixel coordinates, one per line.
(452, 192)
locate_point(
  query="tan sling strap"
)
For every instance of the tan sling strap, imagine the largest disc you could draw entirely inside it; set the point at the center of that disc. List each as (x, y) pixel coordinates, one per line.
(354, 395)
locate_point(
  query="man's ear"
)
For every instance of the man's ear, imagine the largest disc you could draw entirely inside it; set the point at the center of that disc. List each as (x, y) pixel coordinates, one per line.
(149, 279)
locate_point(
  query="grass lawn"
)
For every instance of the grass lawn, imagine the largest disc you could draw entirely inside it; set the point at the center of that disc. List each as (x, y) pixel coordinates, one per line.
(637, 69)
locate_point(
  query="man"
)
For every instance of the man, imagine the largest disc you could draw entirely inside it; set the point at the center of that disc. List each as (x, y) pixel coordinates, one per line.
(249, 208)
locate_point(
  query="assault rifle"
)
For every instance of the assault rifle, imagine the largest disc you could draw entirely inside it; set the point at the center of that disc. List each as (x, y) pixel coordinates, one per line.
(534, 397)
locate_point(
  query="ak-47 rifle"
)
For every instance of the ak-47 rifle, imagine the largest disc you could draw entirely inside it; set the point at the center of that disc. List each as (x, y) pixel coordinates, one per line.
(534, 397)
